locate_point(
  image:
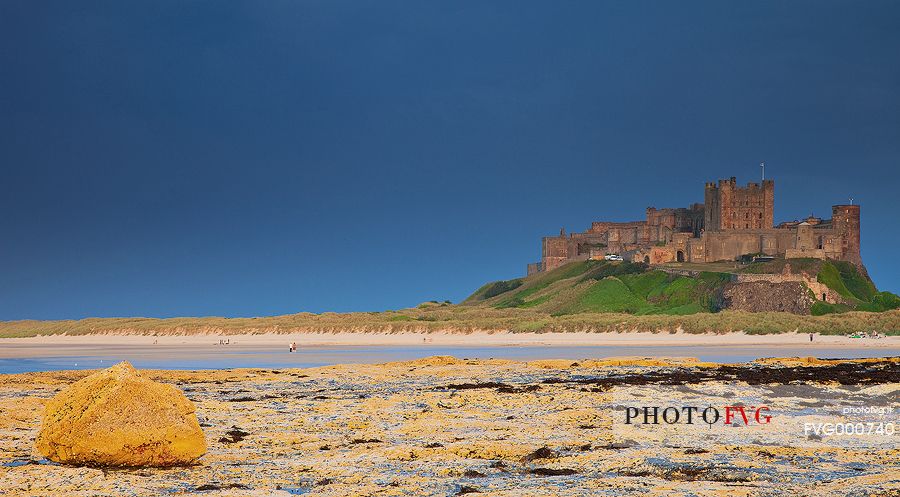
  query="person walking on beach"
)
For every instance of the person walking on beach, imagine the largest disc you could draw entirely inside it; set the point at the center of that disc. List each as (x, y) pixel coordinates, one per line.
(810, 337)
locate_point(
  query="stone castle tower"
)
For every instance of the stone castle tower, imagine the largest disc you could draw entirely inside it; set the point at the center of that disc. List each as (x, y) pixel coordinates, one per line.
(730, 207)
(845, 224)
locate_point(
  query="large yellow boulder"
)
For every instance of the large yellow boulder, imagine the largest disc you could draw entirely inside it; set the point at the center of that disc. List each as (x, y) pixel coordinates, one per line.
(116, 417)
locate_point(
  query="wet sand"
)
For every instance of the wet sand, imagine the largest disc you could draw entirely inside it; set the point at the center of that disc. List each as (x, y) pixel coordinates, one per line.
(43, 345)
(205, 351)
(444, 426)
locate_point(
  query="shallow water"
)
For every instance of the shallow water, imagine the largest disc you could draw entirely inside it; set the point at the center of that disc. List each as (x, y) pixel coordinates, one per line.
(192, 357)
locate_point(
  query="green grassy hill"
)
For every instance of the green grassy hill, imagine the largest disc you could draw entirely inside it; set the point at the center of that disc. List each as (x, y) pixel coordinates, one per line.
(857, 289)
(633, 288)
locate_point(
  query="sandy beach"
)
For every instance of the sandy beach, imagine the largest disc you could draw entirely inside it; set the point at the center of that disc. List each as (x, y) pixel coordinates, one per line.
(445, 426)
(210, 352)
(42, 345)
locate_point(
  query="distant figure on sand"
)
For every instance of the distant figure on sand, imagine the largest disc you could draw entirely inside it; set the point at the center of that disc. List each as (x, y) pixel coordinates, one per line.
(810, 337)
(293, 347)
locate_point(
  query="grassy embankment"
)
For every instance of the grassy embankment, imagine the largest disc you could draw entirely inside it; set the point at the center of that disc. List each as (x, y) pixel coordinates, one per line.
(592, 296)
(599, 286)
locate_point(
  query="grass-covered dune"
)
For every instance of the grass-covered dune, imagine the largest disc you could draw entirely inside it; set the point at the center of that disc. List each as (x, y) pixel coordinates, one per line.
(468, 319)
(587, 296)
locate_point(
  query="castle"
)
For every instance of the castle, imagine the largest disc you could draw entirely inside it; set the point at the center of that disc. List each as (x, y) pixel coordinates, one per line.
(732, 221)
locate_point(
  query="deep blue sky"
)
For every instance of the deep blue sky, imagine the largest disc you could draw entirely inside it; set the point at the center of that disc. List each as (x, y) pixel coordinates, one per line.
(229, 158)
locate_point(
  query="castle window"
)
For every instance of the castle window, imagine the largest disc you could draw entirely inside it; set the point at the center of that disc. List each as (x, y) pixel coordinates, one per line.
(746, 226)
(760, 215)
(747, 215)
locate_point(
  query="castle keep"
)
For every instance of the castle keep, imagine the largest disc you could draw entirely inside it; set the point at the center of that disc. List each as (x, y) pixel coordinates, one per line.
(732, 221)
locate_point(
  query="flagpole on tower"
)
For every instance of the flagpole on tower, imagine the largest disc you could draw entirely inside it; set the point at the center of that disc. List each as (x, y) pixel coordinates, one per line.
(762, 165)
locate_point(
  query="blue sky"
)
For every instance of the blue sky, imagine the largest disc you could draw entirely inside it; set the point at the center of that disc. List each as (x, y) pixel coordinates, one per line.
(173, 158)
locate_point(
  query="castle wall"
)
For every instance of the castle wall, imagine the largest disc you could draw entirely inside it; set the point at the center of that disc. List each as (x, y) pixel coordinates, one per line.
(728, 245)
(598, 227)
(554, 252)
(661, 255)
(808, 253)
(807, 243)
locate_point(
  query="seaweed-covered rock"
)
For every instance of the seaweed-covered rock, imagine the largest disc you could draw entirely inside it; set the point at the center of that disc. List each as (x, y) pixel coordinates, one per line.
(116, 417)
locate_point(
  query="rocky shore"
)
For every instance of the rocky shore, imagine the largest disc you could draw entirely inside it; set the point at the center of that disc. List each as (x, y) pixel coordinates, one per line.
(446, 426)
